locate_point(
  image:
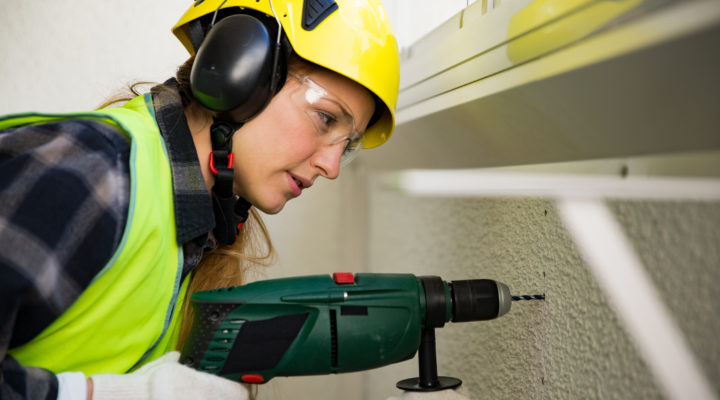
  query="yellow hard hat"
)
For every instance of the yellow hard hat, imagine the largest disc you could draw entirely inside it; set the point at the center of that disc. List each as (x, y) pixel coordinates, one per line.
(350, 37)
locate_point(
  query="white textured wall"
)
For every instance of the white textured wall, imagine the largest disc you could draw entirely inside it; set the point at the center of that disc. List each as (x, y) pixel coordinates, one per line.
(572, 345)
(70, 55)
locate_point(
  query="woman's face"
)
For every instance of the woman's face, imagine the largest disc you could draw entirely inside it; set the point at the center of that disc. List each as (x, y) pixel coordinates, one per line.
(299, 136)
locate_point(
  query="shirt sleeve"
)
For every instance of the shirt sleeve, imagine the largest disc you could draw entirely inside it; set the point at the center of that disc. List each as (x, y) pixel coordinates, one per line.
(64, 190)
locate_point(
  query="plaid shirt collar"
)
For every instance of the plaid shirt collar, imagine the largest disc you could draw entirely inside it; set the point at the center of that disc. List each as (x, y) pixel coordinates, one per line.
(193, 208)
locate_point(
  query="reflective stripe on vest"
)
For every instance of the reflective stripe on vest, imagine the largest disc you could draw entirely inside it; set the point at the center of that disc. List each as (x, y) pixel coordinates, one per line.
(130, 312)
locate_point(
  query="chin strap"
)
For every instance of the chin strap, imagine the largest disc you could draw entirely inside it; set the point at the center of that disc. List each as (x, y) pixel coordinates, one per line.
(230, 211)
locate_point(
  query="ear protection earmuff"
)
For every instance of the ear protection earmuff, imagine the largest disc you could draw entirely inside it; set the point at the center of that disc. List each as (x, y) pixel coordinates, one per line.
(238, 67)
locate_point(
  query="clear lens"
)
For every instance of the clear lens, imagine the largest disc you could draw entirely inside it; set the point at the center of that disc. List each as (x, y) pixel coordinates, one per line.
(329, 117)
(352, 149)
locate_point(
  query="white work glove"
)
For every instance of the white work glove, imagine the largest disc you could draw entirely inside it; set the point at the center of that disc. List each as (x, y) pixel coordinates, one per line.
(448, 394)
(166, 378)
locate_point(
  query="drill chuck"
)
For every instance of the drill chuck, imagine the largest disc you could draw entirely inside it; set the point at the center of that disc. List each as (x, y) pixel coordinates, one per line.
(463, 301)
(479, 300)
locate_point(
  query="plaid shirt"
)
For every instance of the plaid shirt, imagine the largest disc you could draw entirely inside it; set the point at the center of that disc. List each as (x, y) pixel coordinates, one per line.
(64, 189)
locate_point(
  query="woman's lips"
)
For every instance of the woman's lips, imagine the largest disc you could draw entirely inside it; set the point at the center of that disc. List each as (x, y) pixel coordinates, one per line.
(295, 185)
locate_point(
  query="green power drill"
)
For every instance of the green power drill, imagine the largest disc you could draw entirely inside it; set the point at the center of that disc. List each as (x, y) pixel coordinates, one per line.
(323, 324)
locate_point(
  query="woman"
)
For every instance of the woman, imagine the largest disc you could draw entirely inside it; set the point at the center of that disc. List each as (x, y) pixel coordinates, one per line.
(106, 215)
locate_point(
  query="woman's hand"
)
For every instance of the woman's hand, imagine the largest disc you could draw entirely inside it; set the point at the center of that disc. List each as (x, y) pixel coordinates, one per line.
(164, 378)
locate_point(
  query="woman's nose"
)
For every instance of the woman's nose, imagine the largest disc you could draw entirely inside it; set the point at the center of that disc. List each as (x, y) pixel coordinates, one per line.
(327, 159)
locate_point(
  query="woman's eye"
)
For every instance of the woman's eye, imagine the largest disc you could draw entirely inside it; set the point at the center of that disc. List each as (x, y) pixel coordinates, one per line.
(325, 118)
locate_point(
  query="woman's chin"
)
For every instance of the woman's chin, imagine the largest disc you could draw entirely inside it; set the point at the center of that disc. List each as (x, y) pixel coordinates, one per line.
(271, 209)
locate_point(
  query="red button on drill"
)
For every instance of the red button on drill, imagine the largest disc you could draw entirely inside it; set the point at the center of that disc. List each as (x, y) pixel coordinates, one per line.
(252, 378)
(343, 277)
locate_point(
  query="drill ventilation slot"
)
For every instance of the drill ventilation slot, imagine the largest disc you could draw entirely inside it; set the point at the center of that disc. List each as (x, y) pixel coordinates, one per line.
(333, 339)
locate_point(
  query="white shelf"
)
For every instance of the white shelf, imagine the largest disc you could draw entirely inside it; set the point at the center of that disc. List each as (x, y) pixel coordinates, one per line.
(473, 93)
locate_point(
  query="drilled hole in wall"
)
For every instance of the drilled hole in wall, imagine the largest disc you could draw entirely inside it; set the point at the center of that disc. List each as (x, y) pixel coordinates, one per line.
(624, 171)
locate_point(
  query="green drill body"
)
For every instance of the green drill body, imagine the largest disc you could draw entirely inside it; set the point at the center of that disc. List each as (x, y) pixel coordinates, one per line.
(321, 324)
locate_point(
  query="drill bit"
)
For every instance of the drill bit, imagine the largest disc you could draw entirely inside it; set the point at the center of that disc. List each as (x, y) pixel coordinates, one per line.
(529, 297)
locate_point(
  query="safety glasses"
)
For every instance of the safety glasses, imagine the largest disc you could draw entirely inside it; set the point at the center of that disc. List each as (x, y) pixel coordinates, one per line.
(327, 116)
